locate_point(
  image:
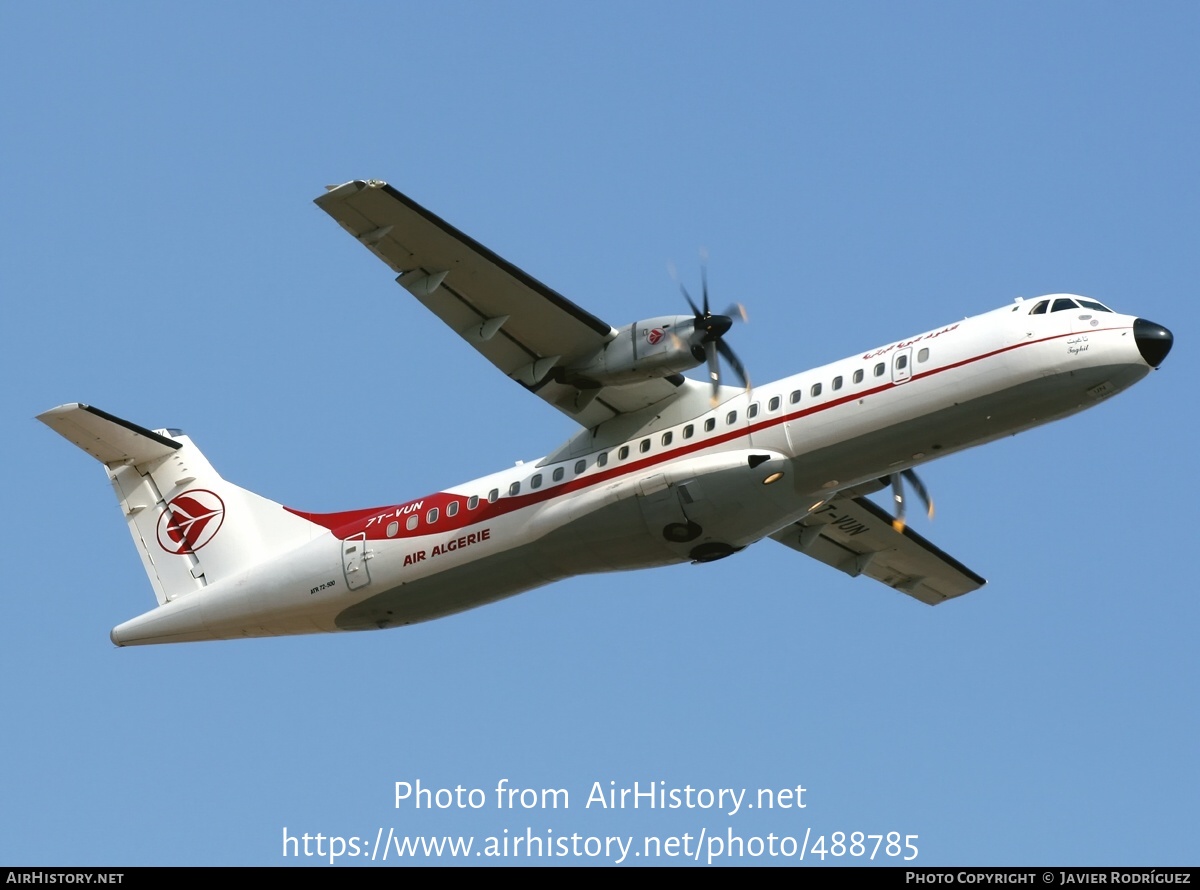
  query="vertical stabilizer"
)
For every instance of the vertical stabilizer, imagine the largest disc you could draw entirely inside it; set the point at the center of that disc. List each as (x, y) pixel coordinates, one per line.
(191, 527)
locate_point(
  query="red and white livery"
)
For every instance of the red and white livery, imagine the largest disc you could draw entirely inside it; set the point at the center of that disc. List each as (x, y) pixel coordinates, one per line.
(664, 469)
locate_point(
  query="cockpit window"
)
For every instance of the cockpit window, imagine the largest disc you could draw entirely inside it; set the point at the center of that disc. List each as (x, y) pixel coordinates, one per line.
(1060, 304)
(1040, 308)
(1092, 304)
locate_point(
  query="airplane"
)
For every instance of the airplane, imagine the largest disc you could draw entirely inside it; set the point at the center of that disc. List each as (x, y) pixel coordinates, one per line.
(664, 469)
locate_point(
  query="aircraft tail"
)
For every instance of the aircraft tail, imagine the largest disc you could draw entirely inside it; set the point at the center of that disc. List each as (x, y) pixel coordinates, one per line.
(191, 527)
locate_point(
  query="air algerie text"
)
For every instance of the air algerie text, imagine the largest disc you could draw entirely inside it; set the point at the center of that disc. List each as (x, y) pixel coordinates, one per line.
(449, 546)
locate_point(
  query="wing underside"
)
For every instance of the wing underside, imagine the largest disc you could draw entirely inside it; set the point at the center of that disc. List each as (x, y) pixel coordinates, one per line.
(856, 537)
(520, 325)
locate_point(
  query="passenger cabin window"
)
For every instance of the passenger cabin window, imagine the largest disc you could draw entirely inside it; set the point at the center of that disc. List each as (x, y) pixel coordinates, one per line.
(795, 397)
(536, 481)
(858, 376)
(773, 405)
(559, 472)
(412, 521)
(473, 502)
(623, 452)
(392, 528)
(879, 368)
(432, 516)
(666, 439)
(515, 488)
(580, 466)
(602, 459)
(644, 446)
(902, 362)
(710, 424)
(493, 495)
(816, 390)
(689, 431)
(923, 355)
(731, 418)
(752, 411)
(837, 382)
(452, 508)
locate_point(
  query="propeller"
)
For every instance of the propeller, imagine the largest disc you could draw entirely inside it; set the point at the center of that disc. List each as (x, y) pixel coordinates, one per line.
(897, 483)
(710, 329)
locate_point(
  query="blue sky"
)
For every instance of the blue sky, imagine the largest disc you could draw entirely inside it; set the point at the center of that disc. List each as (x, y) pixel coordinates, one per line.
(857, 172)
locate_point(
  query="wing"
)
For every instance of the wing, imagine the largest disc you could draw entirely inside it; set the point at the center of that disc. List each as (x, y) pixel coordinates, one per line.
(517, 323)
(857, 537)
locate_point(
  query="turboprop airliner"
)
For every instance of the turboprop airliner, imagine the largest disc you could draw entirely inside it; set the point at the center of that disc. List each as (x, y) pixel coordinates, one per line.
(664, 469)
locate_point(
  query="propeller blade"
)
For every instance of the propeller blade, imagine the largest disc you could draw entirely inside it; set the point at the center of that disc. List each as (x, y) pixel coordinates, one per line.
(714, 371)
(734, 362)
(737, 311)
(684, 291)
(898, 498)
(704, 279)
(921, 490)
(897, 482)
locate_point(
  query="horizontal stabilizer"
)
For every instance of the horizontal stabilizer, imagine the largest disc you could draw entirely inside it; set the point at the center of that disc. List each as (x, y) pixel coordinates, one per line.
(109, 439)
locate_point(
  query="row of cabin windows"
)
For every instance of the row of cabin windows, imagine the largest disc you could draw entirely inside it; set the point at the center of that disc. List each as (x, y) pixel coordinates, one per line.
(837, 383)
(689, 431)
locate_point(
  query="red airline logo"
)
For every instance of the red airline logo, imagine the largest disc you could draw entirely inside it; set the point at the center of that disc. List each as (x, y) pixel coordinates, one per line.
(190, 521)
(654, 335)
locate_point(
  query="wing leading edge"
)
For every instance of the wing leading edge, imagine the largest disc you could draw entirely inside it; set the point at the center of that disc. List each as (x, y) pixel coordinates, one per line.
(856, 537)
(520, 325)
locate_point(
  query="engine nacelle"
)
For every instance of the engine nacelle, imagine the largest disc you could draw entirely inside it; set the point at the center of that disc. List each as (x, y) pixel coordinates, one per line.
(654, 347)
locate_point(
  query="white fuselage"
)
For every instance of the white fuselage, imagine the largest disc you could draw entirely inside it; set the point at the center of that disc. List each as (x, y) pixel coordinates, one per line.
(633, 492)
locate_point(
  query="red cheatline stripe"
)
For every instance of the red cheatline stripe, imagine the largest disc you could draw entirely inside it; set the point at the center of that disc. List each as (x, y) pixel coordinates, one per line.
(351, 522)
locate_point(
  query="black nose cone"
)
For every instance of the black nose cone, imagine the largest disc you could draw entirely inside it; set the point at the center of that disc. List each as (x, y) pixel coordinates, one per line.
(1153, 341)
(716, 327)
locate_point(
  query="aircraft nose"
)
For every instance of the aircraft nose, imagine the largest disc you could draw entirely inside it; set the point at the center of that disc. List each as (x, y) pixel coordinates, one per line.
(1153, 341)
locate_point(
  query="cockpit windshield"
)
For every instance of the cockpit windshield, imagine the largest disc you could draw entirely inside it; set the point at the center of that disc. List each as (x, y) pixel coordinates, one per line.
(1058, 304)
